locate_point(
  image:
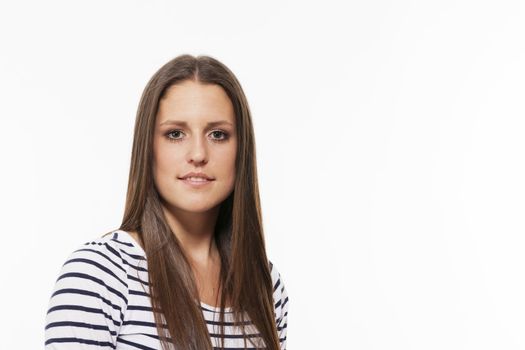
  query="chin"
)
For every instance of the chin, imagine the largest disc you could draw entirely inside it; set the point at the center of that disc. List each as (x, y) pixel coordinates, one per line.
(197, 208)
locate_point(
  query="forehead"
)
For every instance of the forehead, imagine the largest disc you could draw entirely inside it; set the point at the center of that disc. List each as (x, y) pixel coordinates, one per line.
(195, 102)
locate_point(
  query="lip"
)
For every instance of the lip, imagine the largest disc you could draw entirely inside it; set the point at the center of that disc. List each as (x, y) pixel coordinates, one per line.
(194, 174)
(196, 184)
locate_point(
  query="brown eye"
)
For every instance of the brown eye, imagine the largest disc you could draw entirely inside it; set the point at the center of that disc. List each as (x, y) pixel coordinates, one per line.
(219, 135)
(173, 132)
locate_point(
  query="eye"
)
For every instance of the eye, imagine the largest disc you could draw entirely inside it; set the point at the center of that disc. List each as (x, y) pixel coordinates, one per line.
(219, 133)
(177, 132)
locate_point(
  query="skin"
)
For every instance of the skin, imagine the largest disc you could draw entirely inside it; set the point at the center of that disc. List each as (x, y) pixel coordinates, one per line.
(179, 149)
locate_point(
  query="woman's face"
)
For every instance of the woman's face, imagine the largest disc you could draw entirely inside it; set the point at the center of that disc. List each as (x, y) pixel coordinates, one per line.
(194, 132)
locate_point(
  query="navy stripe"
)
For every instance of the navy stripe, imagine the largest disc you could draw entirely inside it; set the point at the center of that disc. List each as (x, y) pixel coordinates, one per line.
(84, 309)
(235, 336)
(231, 324)
(89, 293)
(81, 325)
(138, 280)
(154, 336)
(94, 279)
(113, 251)
(283, 317)
(101, 254)
(124, 243)
(108, 247)
(142, 323)
(101, 267)
(214, 311)
(285, 301)
(81, 341)
(115, 238)
(135, 267)
(129, 245)
(135, 345)
(138, 292)
(276, 285)
(134, 256)
(140, 308)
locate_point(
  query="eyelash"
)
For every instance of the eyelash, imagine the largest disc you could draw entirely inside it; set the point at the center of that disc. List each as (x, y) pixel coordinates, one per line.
(225, 137)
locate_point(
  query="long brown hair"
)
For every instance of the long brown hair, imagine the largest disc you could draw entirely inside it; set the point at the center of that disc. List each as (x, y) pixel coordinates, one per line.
(245, 278)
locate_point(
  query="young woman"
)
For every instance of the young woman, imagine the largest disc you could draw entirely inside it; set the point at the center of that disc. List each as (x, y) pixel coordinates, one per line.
(187, 268)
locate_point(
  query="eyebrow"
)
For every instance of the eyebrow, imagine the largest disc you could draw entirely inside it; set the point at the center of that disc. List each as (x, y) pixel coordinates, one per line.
(181, 122)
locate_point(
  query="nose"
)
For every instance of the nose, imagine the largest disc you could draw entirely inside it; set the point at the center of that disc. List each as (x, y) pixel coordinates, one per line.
(198, 153)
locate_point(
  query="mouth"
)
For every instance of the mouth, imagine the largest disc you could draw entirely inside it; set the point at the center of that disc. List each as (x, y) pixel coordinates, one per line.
(195, 181)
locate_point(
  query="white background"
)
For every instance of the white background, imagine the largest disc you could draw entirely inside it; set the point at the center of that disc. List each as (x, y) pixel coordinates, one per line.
(390, 148)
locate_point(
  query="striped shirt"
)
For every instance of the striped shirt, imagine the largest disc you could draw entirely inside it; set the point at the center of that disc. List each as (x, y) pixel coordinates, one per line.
(101, 301)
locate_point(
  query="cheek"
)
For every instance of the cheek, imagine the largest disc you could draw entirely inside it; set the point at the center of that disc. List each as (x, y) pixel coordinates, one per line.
(228, 161)
(165, 161)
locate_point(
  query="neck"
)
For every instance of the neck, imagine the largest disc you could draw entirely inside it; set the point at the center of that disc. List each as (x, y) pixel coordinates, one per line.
(195, 232)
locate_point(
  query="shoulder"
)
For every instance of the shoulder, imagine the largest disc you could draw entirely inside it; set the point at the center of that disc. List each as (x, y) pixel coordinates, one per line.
(276, 276)
(280, 297)
(90, 296)
(279, 291)
(114, 247)
(101, 262)
(104, 250)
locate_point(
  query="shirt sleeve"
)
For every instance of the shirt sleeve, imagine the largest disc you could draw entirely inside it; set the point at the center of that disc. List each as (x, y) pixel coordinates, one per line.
(89, 299)
(280, 296)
